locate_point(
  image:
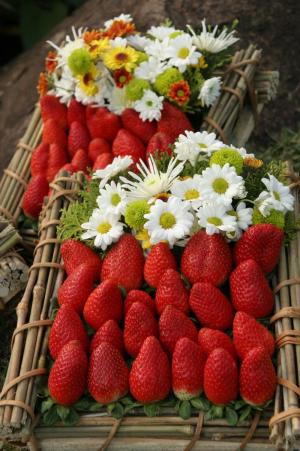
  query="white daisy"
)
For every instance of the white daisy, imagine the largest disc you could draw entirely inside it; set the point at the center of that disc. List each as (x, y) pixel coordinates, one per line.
(104, 228)
(71, 43)
(168, 221)
(149, 181)
(112, 199)
(121, 17)
(118, 100)
(188, 190)
(63, 87)
(149, 106)
(241, 150)
(208, 41)
(210, 91)
(149, 70)
(118, 42)
(221, 183)
(192, 146)
(215, 219)
(138, 42)
(161, 32)
(182, 52)
(243, 217)
(276, 197)
(159, 49)
(119, 164)
(97, 99)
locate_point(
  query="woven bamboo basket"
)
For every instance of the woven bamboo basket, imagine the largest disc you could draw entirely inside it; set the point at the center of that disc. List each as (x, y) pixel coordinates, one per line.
(275, 428)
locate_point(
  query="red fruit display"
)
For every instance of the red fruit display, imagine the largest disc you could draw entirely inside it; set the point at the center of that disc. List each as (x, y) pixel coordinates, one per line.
(74, 253)
(102, 161)
(81, 160)
(159, 259)
(76, 112)
(69, 168)
(34, 195)
(171, 291)
(211, 339)
(54, 133)
(57, 159)
(109, 332)
(79, 138)
(51, 108)
(126, 143)
(142, 129)
(97, 147)
(39, 160)
(102, 123)
(173, 121)
(139, 296)
(159, 143)
(139, 324)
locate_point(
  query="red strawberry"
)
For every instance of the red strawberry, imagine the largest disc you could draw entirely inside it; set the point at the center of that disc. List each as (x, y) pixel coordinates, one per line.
(74, 253)
(249, 333)
(34, 195)
(220, 377)
(57, 159)
(102, 161)
(76, 112)
(133, 123)
(97, 147)
(206, 258)
(250, 291)
(210, 339)
(108, 374)
(187, 369)
(110, 333)
(69, 168)
(150, 378)
(102, 123)
(66, 327)
(51, 108)
(126, 143)
(139, 324)
(171, 290)
(210, 306)
(257, 377)
(157, 262)
(139, 296)
(67, 378)
(173, 121)
(173, 325)
(77, 287)
(104, 303)
(160, 143)
(78, 138)
(53, 133)
(39, 160)
(262, 243)
(81, 160)
(124, 263)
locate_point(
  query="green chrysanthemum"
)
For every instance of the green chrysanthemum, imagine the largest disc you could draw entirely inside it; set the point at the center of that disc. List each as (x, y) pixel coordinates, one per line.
(80, 62)
(275, 217)
(135, 212)
(226, 155)
(135, 88)
(166, 79)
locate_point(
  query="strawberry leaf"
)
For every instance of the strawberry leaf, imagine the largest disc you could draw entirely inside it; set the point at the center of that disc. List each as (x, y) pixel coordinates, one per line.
(239, 404)
(83, 405)
(63, 412)
(51, 416)
(95, 407)
(200, 404)
(72, 418)
(151, 410)
(118, 411)
(185, 410)
(244, 413)
(127, 401)
(231, 416)
(110, 407)
(46, 405)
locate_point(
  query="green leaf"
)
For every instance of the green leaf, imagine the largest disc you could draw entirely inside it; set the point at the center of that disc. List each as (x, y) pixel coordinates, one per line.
(63, 412)
(197, 403)
(72, 418)
(185, 410)
(110, 407)
(244, 413)
(130, 407)
(46, 405)
(118, 410)
(51, 416)
(83, 405)
(151, 410)
(231, 416)
(218, 411)
(239, 404)
(95, 407)
(127, 401)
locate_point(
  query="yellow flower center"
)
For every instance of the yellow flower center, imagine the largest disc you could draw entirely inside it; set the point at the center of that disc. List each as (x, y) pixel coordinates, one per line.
(202, 146)
(180, 93)
(104, 227)
(220, 185)
(232, 213)
(215, 221)
(167, 220)
(191, 194)
(115, 199)
(183, 53)
(276, 195)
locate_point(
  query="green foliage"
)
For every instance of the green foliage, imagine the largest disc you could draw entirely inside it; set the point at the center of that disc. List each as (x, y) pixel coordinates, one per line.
(253, 177)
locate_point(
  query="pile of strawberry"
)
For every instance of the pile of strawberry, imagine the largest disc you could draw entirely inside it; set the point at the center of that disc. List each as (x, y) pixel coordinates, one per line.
(79, 138)
(176, 339)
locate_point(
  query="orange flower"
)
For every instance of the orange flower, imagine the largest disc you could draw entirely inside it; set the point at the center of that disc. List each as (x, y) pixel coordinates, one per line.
(119, 28)
(93, 35)
(253, 162)
(51, 62)
(122, 77)
(179, 92)
(42, 86)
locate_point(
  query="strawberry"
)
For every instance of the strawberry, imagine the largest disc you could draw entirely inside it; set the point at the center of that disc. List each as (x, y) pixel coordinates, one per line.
(173, 121)
(39, 160)
(249, 333)
(173, 325)
(187, 369)
(133, 123)
(257, 377)
(220, 377)
(210, 339)
(206, 258)
(159, 259)
(57, 159)
(66, 327)
(250, 291)
(69, 168)
(102, 161)
(102, 123)
(139, 296)
(97, 147)
(262, 243)
(53, 133)
(150, 375)
(124, 263)
(159, 143)
(81, 160)
(210, 306)
(76, 112)
(78, 138)
(108, 374)
(110, 333)
(34, 195)
(104, 303)
(139, 324)
(74, 253)
(126, 143)
(67, 378)
(51, 108)
(171, 290)
(77, 287)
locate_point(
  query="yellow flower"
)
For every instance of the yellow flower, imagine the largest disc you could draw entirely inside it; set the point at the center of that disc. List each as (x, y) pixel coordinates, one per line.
(98, 47)
(202, 64)
(144, 237)
(87, 81)
(121, 57)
